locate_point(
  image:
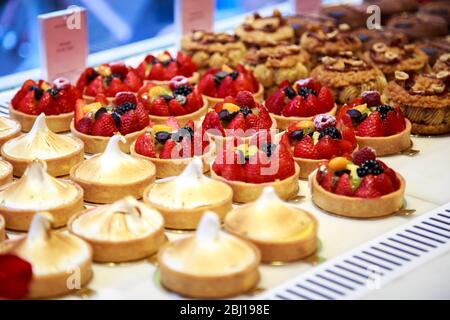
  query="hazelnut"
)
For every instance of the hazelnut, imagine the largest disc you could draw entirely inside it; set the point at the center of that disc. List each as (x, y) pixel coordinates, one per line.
(379, 47)
(437, 88)
(445, 57)
(344, 27)
(197, 35)
(355, 63)
(328, 60)
(409, 47)
(442, 74)
(400, 75)
(346, 53)
(390, 55)
(339, 65)
(332, 34)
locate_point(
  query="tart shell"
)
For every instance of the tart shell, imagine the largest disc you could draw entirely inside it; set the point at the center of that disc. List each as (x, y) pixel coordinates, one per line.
(56, 123)
(354, 207)
(12, 135)
(182, 120)
(259, 96)
(91, 99)
(244, 192)
(7, 177)
(284, 122)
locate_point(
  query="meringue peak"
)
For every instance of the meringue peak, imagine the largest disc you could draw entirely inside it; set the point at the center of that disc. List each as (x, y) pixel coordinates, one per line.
(209, 228)
(40, 228)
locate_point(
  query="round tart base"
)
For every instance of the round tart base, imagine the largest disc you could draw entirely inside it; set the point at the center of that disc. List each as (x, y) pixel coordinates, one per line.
(2, 229)
(97, 144)
(259, 96)
(20, 220)
(12, 135)
(388, 145)
(91, 99)
(244, 192)
(7, 176)
(56, 123)
(182, 120)
(354, 207)
(122, 251)
(284, 122)
(212, 287)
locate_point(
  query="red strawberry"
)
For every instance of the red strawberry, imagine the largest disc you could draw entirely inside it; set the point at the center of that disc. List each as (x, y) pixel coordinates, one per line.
(206, 86)
(128, 122)
(392, 124)
(84, 125)
(192, 103)
(212, 122)
(226, 88)
(159, 108)
(362, 155)
(368, 188)
(347, 133)
(186, 66)
(391, 174)
(186, 148)
(167, 150)
(104, 126)
(326, 148)
(245, 80)
(145, 146)
(275, 102)
(258, 169)
(156, 72)
(286, 164)
(326, 100)
(343, 186)
(47, 105)
(230, 169)
(238, 123)
(305, 149)
(171, 70)
(264, 120)
(344, 147)
(123, 97)
(142, 119)
(251, 121)
(294, 107)
(384, 184)
(372, 126)
(27, 85)
(116, 86)
(311, 107)
(132, 81)
(62, 103)
(175, 108)
(28, 104)
(400, 115)
(95, 87)
(102, 99)
(119, 68)
(328, 181)
(15, 277)
(79, 112)
(245, 99)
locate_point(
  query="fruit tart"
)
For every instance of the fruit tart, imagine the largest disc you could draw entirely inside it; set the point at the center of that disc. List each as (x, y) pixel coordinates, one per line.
(60, 152)
(392, 58)
(217, 84)
(347, 76)
(377, 125)
(125, 230)
(263, 223)
(57, 101)
(56, 257)
(358, 187)
(171, 147)
(9, 129)
(95, 123)
(109, 80)
(442, 63)
(183, 199)
(313, 142)
(38, 191)
(424, 99)
(162, 68)
(6, 172)
(210, 263)
(250, 167)
(300, 101)
(178, 99)
(113, 174)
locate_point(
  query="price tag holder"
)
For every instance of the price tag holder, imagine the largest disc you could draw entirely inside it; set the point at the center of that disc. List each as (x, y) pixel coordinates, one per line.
(194, 15)
(306, 6)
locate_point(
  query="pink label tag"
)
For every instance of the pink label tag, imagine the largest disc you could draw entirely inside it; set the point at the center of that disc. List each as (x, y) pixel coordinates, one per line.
(63, 43)
(307, 6)
(194, 15)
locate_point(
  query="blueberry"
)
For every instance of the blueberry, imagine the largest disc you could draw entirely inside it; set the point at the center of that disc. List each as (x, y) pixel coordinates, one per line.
(53, 92)
(289, 92)
(333, 132)
(162, 136)
(166, 97)
(354, 113)
(245, 111)
(38, 93)
(116, 118)
(296, 134)
(362, 118)
(99, 112)
(234, 75)
(224, 114)
(341, 172)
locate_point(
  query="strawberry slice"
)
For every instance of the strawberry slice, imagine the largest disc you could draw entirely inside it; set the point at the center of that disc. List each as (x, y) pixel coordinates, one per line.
(343, 186)
(237, 124)
(144, 146)
(372, 126)
(206, 86)
(264, 119)
(305, 149)
(212, 122)
(175, 108)
(293, 108)
(286, 164)
(384, 184)
(258, 169)
(226, 88)
(275, 102)
(123, 97)
(167, 152)
(84, 125)
(116, 86)
(251, 121)
(142, 119)
(312, 106)
(95, 87)
(368, 188)
(328, 181)
(104, 126)
(327, 148)
(159, 107)
(392, 124)
(326, 100)
(157, 72)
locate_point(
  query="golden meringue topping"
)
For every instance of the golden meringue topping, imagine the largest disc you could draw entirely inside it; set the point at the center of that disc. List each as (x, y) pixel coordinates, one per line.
(126, 219)
(41, 143)
(114, 166)
(270, 219)
(8, 126)
(190, 190)
(37, 190)
(51, 252)
(210, 252)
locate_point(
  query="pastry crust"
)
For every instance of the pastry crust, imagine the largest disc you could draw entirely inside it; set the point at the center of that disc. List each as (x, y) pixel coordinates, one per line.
(2, 229)
(210, 287)
(12, 135)
(354, 207)
(91, 99)
(56, 123)
(182, 120)
(97, 144)
(193, 80)
(244, 192)
(284, 122)
(259, 96)
(7, 176)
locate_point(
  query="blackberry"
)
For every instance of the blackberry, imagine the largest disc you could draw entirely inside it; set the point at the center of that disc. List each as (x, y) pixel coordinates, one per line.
(165, 63)
(219, 76)
(369, 167)
(383, 110)
(162, 136)
(296, 134)
(305, 92)
(166, 97)
(290, 92)
(245, 111)
(91, 76)
(124, 108)
(99, 112)
(234, 75)
(116, 118)
(182, 133)
(183, 90)
(268, 148)
(333, 132)
(53, 92)
(38, 93)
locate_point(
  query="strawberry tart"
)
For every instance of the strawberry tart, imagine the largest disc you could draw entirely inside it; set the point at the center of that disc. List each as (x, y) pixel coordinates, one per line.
(358, 187)
(95, 123)
(56, 100)
(377, 125)
(301, 101)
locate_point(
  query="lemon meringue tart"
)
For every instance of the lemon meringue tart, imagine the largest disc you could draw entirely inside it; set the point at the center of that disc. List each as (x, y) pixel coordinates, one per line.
(2, 229)
(37, 191)
(209, 264)
(9, 129)
(126, 230)
(61, 262)
(182, 200)
(6, 172)
(113, 174)
(263, 223)
(60, 152)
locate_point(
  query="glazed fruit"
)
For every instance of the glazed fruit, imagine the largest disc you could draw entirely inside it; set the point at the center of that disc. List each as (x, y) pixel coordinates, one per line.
(101, 118)
(35, 98)
(173, 100)
(165, 67)
(221, 83)
(109, 79)
(305, 98)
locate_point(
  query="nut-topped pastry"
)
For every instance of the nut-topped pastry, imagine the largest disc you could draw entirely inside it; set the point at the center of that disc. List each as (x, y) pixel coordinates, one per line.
(263, 223)
(113, 174)
(125, 230)
(9, 129)
(353, 16)
(369, 37)
(443, 63)
(308, 21)
(265, 31)
(437, 8)
(396, 58)
(182, 200)
(424, 99)
(388, 7)
(210, 263)
(60, 152)
(347, 76)
(412, 25)
(37, 191)
(213, 50)
(56, 257)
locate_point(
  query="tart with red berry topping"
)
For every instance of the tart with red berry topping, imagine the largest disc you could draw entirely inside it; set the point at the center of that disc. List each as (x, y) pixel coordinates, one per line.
(177, 99)
(56, 100)
(298, 102)
(316, 141)
(217, 84)
(377, 125)
(108, 79)
(160, 69)
(171, 147)
(95, 123)
(9, 129)
(358, 187)
(249, 168)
